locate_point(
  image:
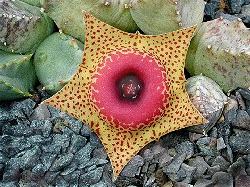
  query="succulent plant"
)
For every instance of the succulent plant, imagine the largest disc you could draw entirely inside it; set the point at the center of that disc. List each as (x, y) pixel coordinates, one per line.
(208, 98)
(157, 17)
(17, 76)
(69, 17)
(221, 51)
(23, 27)
(37, 3)
(56, 60)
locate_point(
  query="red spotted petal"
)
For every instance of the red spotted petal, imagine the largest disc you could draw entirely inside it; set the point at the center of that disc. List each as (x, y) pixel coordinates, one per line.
(156, 64)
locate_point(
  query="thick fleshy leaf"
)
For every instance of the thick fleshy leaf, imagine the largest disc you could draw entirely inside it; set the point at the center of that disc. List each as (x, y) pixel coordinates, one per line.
(220, 50)
(17, 76)
(23, 27)
(56, 60)
(109, 56)
(161, 16)
(67, 13)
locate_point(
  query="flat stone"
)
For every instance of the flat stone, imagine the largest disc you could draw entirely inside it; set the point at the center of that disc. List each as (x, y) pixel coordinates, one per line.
(100, 184)
(213, 169)
(73, 178)
(61, 182)
(77, 142)
(207, 146)
(62, 162)
(93, 161)
(30, 158)
(69, 169)
(59, 143)
(40, 113)
(175, 165)
(84, 154)
(222, 179)
(240, 142)
(17, 129)
(92, 177)
(199, 163)
(47, 159)
(195, 136)
(189, 172)
(50, 177)
(100, 153)
(242, 181)
(11, 171)
(235, 5)
(182, 184)
(185, 147)
(203, 183)
(242, 120)
(3, 158)
(150, 181)
(74, 124)
(147, 154)
(131, 169)
(95, 141)
(238, 168)
(41, 127)
(220, 161)
(39, 170)
(85, 130)
(26, 106)
(8, 184)
(165, 159)
(221, 144)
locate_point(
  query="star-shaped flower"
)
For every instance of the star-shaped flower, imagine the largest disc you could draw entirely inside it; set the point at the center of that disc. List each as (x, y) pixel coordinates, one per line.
(130, 88)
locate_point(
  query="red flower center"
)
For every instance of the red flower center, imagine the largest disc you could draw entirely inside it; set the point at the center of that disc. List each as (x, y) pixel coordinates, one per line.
(130, 89)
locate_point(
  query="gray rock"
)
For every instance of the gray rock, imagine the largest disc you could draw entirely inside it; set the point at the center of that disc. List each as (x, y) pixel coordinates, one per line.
(84, 154)
(242, 181)
(100, 153)
(3, 158)
(100, 184)
(221, 144)
(175, 165)
(235, 5)
(242, 120)
(95, 141)
(189, 172)
(212, 170)
(185, 147)
(73, 178)
(150, 181)
(195, 136)
(220, 161)
(59, 143)
(92, 177)
(211, 9)
(207, 146)
(77, 142)
(26, 107)
(40, 113)
(85, 130)
(165, 159)
(30, 158)
(238, 168)
(17, 128)
(74, 124)
(39, 170)
(62, 162)
(60, 182)
(228, 154)
(13, 145)
(8, 184)
(93, 162)
(69, 169)
(152, 168)
(148, 155)
(203, 183)
(200, 165)
(41, 127)
(222, 179)
(182, 184)
(131, 169)
(12, 171)
(240, 142)
(50, 177)
(47, 159)
(229, 17)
